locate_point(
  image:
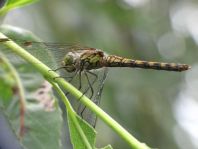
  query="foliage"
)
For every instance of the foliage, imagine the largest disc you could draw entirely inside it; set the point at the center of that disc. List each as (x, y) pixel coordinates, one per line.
(12, 4)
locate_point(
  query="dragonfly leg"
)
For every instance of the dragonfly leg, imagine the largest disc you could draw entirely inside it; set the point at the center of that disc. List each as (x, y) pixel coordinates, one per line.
(58, 68)
(66, 77)
(80, 86)
(93, 74)
(80, 80)
(89, 83)
(63, 77)
(89, 87)
(71, 79)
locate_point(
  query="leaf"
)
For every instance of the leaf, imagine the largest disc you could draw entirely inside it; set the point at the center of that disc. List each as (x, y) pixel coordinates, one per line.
(88, 130)
(12, 4)
(74, 135)
(7, 135)
(18, 3)
(43, 117)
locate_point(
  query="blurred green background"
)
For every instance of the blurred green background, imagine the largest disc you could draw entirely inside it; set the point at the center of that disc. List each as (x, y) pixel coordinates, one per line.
(159, 108)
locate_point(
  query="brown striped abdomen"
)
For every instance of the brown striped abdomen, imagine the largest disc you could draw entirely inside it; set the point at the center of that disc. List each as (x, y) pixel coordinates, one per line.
(116, 61)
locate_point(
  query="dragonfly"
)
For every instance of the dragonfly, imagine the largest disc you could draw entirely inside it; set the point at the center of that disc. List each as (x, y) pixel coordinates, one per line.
(86, 59)
(80, 60)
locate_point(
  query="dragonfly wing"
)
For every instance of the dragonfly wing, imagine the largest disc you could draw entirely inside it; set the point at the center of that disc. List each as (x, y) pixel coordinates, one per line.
(80, 47)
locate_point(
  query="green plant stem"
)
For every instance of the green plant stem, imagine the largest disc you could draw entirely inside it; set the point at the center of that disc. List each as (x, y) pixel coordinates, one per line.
(71, 112)
(43, 69)
(20, 92)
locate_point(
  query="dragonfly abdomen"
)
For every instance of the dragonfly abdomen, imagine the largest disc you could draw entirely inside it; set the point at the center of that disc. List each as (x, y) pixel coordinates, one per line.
(116, 61)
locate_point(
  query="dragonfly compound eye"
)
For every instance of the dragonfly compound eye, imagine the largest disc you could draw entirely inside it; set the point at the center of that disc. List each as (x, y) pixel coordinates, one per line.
(68, 60)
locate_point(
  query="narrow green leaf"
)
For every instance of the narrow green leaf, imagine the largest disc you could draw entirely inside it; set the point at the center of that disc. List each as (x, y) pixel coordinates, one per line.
(74, 134)
(19, 3)
(88, 130)
(12, 4)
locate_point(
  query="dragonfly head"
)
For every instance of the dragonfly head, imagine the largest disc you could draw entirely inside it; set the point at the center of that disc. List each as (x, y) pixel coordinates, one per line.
(69, 63)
